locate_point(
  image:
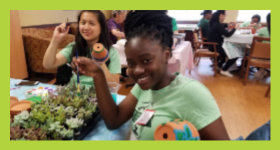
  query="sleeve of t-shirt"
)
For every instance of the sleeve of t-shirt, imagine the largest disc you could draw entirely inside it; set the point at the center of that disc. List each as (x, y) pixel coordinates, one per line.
(204, 107)
(115, 63)
(111, 25)
(223, 31)
(66, 52)
(244, 24)
(174, 25)
(136, 91)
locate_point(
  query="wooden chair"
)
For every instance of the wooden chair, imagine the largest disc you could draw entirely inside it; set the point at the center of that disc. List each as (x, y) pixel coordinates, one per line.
(202, 38)
(259, 56)
(200, 52)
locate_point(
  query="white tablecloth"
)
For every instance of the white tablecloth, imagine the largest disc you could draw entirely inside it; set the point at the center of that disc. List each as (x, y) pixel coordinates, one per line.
(187, 26)
(235, 45)
(237, 37)
(182, 55)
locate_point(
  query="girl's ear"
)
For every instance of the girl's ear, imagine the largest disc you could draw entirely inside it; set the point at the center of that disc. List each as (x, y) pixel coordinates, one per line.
(167, 54)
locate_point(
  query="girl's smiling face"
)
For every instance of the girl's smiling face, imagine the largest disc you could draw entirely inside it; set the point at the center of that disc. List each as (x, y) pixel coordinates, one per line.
(147, 62)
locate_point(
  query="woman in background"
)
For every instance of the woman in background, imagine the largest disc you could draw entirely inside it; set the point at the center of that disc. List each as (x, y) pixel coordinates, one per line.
(216, 34)
(204, 22)
(255, 22)
(114, 25)
(92, 28)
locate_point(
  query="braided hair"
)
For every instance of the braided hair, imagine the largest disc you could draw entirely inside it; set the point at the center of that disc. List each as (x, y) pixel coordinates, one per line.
(152, 24)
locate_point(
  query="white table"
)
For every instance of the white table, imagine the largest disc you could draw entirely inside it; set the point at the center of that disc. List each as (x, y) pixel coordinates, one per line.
(187, 26)
(235, 45)
(182, 57)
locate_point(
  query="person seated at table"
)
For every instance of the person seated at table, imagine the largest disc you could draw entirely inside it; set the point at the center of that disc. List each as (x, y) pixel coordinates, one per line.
(204, 22)
(114, 25)
(216, 34)
(92, 28)
(171, 96)
(264, 32)
(255, 22)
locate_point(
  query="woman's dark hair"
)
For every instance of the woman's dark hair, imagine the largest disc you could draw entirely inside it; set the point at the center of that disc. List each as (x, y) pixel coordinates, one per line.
(268, 22)
(257, 16)
(206, 12)
(152, 24)
(216, 17)
(81, 44)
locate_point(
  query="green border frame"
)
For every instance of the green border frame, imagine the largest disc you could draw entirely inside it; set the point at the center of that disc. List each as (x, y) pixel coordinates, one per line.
(148, 5)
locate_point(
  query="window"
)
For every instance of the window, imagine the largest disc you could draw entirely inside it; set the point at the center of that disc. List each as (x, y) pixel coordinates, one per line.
(246, 15)
(186, 15)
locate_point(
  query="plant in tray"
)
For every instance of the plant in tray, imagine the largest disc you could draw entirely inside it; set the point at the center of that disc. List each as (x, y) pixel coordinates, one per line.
(74, 123)
(66, 133)
(91, 107)
(88, 115)
(70, 111)
(33, 134)
(55, 127)
(15, 133)
(30, 123)
(20, 118)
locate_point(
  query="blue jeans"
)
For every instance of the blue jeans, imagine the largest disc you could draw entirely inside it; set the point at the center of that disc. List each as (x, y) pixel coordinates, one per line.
(262, 133)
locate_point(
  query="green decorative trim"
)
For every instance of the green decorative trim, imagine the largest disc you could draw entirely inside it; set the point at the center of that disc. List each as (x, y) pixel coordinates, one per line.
(98, 51)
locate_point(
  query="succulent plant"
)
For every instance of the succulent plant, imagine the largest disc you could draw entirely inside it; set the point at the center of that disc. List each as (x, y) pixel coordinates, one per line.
(91, 107)
(88, 115)
(48, 118)
(39, 116)
(20, 118)
(45, 128)
(70, 111)
(30, 123)
(56, 136)
(22, 139)
(33, 134)
(74, 123)
(55, 127)
(15, 133)
(66, 133)
(80, 116)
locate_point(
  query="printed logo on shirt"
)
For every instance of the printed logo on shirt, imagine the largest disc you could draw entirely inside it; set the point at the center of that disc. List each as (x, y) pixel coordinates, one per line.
(137, 113)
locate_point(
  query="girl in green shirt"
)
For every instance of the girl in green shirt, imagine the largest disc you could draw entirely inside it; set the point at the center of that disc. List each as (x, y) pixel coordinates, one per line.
(148, 49)
(92, 28)
(255, 22)
(204, 22)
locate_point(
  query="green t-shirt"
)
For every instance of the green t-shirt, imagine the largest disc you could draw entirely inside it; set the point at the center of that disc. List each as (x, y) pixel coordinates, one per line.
(245, 24)
(174, 25)
(183, 98)
(114, 66)
(204, 25)
(264, 33)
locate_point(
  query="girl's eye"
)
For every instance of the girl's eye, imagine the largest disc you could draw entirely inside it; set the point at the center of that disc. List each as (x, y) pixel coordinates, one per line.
(147, 60)
(130, 64)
